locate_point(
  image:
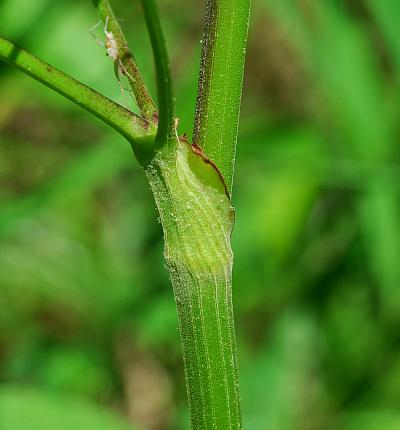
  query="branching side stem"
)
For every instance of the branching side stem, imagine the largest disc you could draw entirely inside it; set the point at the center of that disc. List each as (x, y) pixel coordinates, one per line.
(127, 123)
(166, 126)
(143, 98)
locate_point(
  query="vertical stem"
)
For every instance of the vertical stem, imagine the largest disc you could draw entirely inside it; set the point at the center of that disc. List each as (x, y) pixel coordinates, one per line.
(197, 219)
(204, 306)
(220, 81)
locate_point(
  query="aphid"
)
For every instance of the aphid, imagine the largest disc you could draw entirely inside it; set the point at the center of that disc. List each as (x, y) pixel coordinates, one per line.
(111, 47)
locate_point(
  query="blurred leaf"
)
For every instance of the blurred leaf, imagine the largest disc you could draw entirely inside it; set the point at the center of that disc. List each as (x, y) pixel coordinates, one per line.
(89, 169)
(354, 96)
(13, 22)
(157, 321)
(351, 360)
(63, 370)
(386, 13)
(370, 420)
(23, 408)
(281, 386)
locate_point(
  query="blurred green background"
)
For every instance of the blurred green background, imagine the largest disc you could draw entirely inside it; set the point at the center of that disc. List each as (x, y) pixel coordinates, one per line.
(88, 332)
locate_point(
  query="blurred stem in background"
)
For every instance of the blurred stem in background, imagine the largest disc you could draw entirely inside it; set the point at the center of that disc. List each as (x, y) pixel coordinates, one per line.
(191, 185)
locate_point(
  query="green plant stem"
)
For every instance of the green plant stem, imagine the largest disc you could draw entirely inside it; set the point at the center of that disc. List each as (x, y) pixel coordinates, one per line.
(197, 220)
(143, 98)
(220, 82)
(166, 126)
(191, 197)
(125, 122)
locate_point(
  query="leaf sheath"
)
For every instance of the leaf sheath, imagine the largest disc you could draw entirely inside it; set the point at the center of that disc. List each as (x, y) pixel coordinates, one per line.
(197, 220)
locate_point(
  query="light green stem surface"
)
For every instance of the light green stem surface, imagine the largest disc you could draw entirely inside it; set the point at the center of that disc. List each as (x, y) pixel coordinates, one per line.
(197, 219)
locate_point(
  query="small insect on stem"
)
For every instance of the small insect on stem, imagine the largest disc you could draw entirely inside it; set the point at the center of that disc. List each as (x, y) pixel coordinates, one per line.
(112, 51)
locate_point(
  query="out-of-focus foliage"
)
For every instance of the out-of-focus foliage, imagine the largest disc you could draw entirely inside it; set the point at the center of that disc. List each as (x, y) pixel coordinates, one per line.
(86, 309)
(47, 412)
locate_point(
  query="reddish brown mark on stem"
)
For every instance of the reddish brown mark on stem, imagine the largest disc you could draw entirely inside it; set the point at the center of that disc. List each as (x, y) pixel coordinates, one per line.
(197, 150)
